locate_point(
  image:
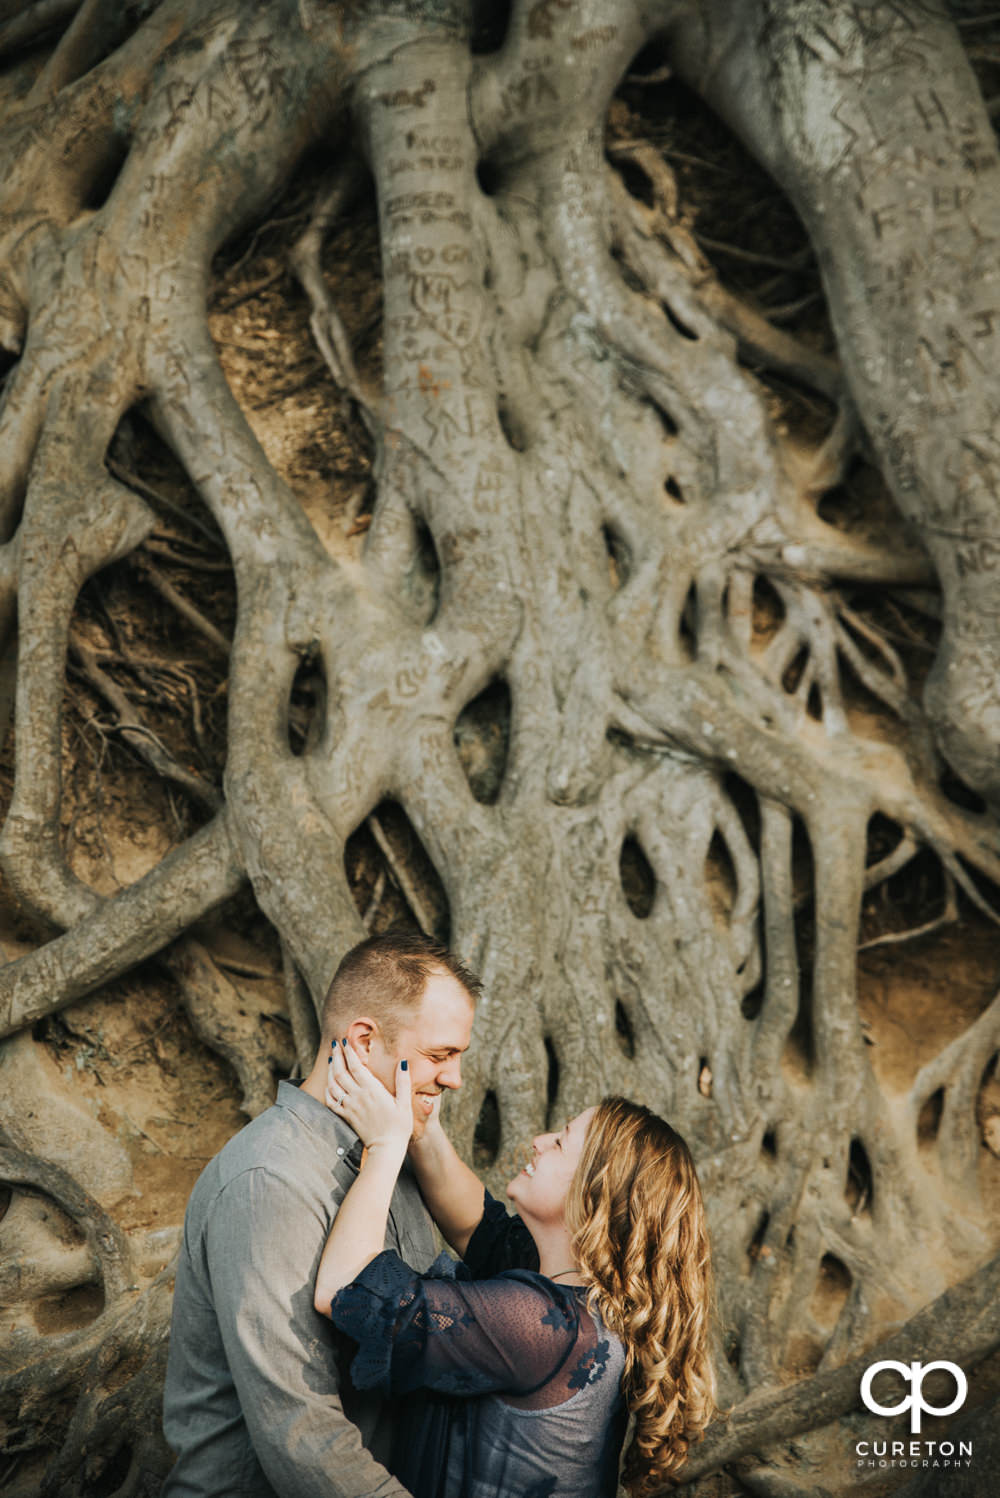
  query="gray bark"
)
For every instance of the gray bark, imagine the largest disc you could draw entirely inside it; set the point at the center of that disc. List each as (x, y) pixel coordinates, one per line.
(565, 414)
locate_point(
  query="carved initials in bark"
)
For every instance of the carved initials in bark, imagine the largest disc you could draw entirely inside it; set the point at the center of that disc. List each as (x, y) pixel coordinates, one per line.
(582, 499)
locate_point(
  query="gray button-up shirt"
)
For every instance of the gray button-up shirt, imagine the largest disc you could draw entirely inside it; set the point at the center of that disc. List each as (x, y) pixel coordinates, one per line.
(257, 1403)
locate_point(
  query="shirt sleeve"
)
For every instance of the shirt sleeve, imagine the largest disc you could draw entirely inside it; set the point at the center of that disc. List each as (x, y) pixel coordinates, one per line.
(279, 1348)
(510, 1334)
(500, 1241)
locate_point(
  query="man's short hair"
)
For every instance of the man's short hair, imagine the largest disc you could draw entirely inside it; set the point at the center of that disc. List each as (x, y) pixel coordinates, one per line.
(385, 976)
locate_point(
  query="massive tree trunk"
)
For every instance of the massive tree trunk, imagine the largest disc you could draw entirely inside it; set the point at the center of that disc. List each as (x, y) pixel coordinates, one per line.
(600, 650)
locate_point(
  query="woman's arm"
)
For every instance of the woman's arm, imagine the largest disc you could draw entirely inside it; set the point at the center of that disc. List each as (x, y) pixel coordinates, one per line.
(462, 1337)
(453, 1192)
(384, 1123)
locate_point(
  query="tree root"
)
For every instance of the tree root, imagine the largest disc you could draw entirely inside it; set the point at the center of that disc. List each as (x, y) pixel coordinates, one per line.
(302, 1012)
(187, 610)
(958, 1073)
(102, 1235)
(578, 490)
(123, 930)
(34, 20)
(219, 1018)
(112, 1413)
(327, 328)
(94, 30)
(135, 732)
(970, 1311)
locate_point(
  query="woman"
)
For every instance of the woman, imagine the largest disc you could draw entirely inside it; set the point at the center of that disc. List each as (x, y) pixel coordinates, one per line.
(592, 1304)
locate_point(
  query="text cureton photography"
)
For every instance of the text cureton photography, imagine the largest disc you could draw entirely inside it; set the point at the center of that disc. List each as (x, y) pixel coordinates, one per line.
(938, 1454)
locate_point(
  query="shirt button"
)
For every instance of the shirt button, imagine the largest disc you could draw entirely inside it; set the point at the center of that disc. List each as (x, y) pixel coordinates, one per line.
(339, 1150)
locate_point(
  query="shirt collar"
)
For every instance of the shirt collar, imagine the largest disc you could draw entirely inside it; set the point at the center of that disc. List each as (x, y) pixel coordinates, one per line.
(319, 1120)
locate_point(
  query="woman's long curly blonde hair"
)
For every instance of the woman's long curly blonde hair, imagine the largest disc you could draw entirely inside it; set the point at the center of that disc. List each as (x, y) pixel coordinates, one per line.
(636, 1217)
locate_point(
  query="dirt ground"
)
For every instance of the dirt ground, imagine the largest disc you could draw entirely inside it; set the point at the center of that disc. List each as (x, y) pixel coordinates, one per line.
(120, 1076)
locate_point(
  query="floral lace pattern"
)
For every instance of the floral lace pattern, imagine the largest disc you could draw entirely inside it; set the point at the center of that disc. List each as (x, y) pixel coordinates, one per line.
(511, 1382)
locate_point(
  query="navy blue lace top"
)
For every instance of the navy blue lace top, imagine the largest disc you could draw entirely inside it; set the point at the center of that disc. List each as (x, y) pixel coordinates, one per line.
(512, 1385)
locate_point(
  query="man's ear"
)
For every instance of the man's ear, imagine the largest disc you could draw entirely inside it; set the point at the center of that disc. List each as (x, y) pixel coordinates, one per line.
(360, 1034)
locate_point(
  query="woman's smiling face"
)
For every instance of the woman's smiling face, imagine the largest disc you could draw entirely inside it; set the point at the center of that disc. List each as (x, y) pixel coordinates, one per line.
(540, 1190)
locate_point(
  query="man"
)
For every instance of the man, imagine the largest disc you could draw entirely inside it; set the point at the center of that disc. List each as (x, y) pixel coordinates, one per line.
(256, 1401)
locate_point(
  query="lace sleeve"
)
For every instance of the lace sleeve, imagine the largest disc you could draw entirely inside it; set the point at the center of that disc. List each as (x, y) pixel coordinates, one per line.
(511, 1334)
(500, 1242)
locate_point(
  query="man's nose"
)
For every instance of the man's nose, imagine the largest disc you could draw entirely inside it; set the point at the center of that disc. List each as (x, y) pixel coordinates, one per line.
(450, 1074)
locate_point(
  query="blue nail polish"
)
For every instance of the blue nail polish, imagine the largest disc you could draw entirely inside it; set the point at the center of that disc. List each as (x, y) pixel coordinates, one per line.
(404, 1065)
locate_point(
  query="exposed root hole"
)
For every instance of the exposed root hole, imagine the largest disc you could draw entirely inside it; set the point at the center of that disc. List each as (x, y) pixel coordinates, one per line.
(988, 890)
(673, 488)
(624, 1034)
(814, 703)
(799, 1056)
(929, 1119)
(756, 1248)
(637, 184)
(744, 798)
(648, 65)
(135, 449)
(804, 1354)
(989, 1083)
(988, 1104)
(902, 902)
(768, 610)
(800, 1050)
(859, 1185)
(489, 177)
(551, 1077)
(753, 1002)
(804, 884)
(720, 876)
(489, 20)
(667, 422)
(834, 506)
(391, 875)
(961, 794)
(769, 1144)
(638, 879)
(883, 837)
(833, 1285)
(619, 557)
(423, 579)
(486, 1139)
(793, 672)
(678, 323)
(514, 433)
(482, 738)
(105, 173)
(629, 275)
(687, 625)
(307, 706)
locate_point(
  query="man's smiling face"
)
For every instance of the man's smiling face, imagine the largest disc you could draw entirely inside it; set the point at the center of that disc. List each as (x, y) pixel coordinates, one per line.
(433, 1039)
